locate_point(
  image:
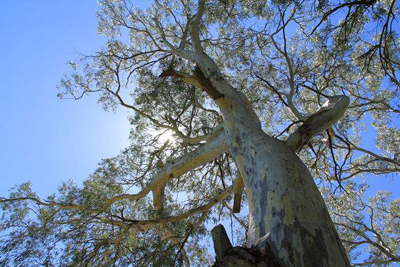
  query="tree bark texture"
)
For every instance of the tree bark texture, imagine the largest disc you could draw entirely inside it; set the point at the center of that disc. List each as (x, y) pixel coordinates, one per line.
(286, 210)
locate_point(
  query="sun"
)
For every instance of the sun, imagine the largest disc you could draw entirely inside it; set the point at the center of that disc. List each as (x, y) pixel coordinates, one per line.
(165, 136)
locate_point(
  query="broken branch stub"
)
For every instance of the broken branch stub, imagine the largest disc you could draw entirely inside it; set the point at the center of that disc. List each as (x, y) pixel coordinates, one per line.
(228, 256)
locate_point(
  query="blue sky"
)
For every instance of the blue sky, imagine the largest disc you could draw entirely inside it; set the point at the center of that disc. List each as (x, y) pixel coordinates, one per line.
(42, 138)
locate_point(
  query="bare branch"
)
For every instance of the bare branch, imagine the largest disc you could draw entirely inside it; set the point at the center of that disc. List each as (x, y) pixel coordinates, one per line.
(238, 190)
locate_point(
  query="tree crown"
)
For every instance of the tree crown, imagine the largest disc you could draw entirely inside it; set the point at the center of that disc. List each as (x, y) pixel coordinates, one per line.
(289, 62)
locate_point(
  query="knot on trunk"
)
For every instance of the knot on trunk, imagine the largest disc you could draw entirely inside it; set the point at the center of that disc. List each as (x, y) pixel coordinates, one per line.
(228, 256)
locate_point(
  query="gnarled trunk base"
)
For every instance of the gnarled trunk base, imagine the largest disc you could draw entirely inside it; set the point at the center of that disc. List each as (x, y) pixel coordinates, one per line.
(228, 256)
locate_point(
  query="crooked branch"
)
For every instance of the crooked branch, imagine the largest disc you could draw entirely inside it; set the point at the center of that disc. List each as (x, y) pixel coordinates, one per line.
(318, 122)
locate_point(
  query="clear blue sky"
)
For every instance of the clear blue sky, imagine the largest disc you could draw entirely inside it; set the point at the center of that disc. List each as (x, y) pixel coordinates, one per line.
(43, 139)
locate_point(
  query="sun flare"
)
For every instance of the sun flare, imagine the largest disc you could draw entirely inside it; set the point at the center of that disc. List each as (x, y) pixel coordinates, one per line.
(166, 136)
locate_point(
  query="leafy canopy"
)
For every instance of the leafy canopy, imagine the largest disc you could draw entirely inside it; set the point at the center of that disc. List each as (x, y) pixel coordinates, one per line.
(287, 58)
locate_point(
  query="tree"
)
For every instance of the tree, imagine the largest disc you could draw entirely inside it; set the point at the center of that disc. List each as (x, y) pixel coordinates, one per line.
(258, 95)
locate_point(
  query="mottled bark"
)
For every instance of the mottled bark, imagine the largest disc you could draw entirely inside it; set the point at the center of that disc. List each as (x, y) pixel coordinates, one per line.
(286, 210)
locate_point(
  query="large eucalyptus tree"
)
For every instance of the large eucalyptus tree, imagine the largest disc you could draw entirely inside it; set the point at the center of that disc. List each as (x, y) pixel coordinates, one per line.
(265, 96)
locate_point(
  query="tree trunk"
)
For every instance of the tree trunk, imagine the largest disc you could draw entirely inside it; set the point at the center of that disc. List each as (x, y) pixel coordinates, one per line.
(286, 210)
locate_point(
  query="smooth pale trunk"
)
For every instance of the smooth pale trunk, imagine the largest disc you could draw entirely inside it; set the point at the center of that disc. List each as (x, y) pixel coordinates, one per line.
(286, 209)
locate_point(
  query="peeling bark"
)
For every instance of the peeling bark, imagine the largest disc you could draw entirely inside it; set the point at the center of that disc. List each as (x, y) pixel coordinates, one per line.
(286, 210)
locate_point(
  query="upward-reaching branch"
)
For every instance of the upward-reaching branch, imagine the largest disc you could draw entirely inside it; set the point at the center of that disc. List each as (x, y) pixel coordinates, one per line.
(195, 28)
(318, 122)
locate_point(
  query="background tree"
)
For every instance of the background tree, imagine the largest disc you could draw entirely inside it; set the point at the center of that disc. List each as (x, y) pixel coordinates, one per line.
(289, 68)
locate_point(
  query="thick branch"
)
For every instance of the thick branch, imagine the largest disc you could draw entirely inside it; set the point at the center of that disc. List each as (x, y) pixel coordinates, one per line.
(318, 122)
(205, 153)
(186, 78)
(200, 138)
(195, 28)
(209, 151)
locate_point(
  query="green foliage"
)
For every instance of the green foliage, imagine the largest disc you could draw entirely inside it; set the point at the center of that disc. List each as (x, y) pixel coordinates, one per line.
(369, 224)
(288, 58)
